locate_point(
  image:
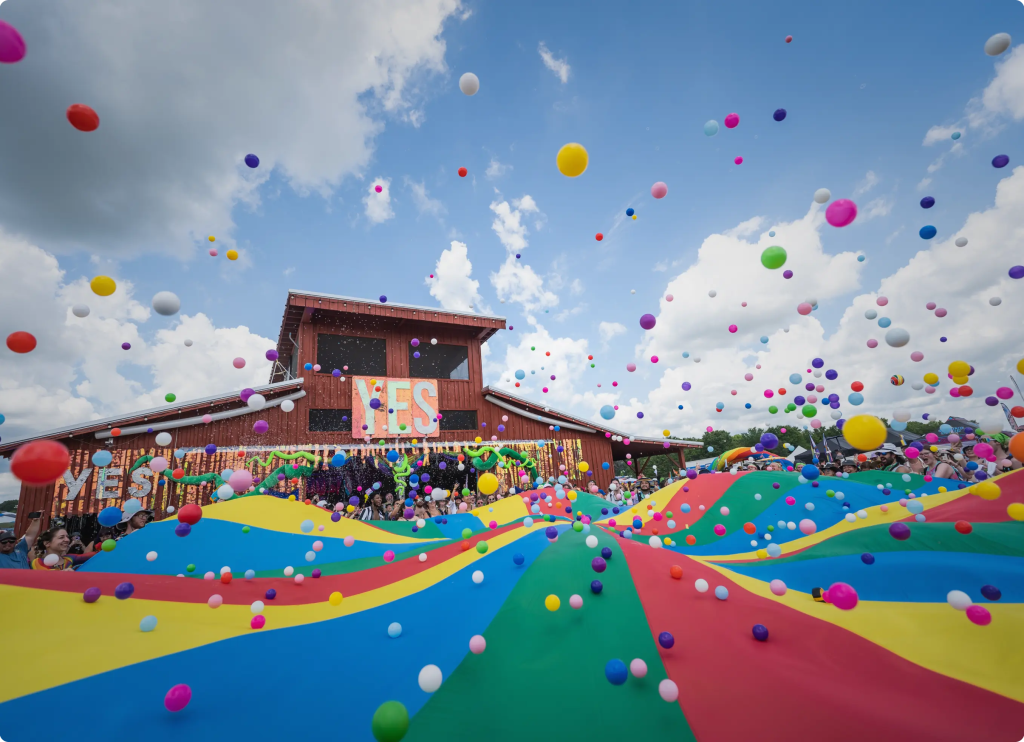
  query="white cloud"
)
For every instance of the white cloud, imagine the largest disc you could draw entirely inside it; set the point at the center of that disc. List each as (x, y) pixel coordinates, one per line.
(310, 105)
(869, 182)
(422, 200)
(924, 183)
(660, 267)
(576, 287)
(10, 488)
(515, 280)
(745, 229)
(560, 67)
(976, 331)
(496, 169)
(567, 313)
(1003, 98)
(894, 235)
(377, 206)
(288, 271)
(452, 284)
(608, 330)
(508, 224)
(78, 370)
(875, 208)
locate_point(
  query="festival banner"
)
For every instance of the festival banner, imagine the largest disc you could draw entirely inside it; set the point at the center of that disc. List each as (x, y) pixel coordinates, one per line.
(394, 408)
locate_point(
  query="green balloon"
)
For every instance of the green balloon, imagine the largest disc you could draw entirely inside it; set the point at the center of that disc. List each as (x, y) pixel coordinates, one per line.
(390, 722)
(790, 407)
(577, 526)
(466, 492)
(190, 568)
(245, 529)
(773, 409)
(481, 547)
(109, 545)
(170, 397)
(773, 257)
(809, 410)
(466, 533)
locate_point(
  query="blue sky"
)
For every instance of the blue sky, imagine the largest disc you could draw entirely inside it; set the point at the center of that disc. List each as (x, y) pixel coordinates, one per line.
(862, 85)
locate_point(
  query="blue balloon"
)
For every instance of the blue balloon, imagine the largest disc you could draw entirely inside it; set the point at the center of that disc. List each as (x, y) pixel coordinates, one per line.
(779, 114)
(630, 212)
(955, 136)
(2, 418)
(596, 587)
(720, 405)
(945, 429)
(520, 374)
(898, 426)
(180, 453)
(927, 232)
(884, 321)
(392, 456)
(616, 672)
(604, 465)
(860, 258)
(102, 458)
(747, 405)
(338, 459)
(607, 412)
(721, 592)
(685, 507)
(810, 472)
(252, 161)
(795, 378)
(764, 338)
(927, 202)
(308, 367)
(148, 623)
(711, 128)
(855, 399)
(109, 516)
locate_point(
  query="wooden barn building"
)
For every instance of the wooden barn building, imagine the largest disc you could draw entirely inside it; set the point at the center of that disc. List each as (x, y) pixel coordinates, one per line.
(357, 377)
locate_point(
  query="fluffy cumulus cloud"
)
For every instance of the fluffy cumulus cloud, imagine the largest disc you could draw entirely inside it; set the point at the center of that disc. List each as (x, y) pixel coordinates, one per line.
(560, 67)
(974, 329)
(377, 206)
(78, 370)
(453, 284)
(184, 91)
(516, 280)
(496, 169)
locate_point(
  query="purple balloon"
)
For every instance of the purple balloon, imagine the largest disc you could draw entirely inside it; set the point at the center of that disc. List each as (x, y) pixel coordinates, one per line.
(648, 321)
(126, 346)
(686, 386)
(769, 440)
(336, 373)
(991, 401)
(599, 564)
(182, 529)
(91, 595)
(787, 273)
(817, 363)
(1017, 271)
(211, 449)
(414, 342)
(246, 393)
(1000, 161)
(374, 404)
(899, 531)
(124, 591)
(260, 427)
(272, 355)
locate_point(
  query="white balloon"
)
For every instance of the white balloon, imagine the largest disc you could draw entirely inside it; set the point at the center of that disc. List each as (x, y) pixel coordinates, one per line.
(655, 542)
(469, 83)
(163, 439)
(51, 559)
(287, 406)
(80, 310)
(995, 301)
(151, 556)
(836, 414)
(897, 337)
(961, 242)
(822, 195)
(701, 585)
(257, 402)
(257, 606)
(997, 44)
(224, 492)
(902, 415)
(917, 385)
(430, 678)
(958, 599)
(712, 293)
(478, 577)
(592, 542)
(166, 303)
(188, 343)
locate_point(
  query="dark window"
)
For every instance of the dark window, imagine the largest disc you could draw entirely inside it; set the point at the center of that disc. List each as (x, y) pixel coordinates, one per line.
(330, 421)
(363, 356)
(439, 361)
(458, 419)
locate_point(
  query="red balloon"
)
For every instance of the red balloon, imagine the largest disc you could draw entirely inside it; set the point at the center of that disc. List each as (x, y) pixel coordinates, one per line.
(115, 432)
(462, 172)
(966, 391)
(1017, 411)
(82, 117)
(599, 237)
(21, 342)
(40, 462)
(178, 473)
(789, 39)
(190, 514)
(857, 386)
(226, 578)
(962, 526)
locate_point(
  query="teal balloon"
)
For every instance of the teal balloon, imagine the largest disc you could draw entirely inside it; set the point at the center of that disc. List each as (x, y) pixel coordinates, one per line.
(102, 458)
(897, 425)
(711, 128)
(607, 412)
(520, 374)
(764, 338)
(2, 418)
(148, 623)
(955, 136)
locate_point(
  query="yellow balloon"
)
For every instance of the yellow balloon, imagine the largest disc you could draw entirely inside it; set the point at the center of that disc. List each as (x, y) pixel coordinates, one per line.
(552, 603)
(103, 285)
(959, 368)
(572, 160)
(666, 433)
(212, 238)
(335, 598)
(488, 483)
(931, 379)
(634, 217)
(232, 254)
(583, 466)
(572, 495)
(961, 379)
(762, 553)
(987, 490)
(864, 432)
(1015, 510)
(942, 489)
(1020, 366)
(350, 508)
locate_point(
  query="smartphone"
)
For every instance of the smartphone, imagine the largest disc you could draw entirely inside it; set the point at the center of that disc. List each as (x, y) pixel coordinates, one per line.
(35, 515)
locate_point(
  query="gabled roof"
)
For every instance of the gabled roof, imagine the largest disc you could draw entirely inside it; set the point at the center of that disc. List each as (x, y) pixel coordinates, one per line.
(546, 410)
(155, 413)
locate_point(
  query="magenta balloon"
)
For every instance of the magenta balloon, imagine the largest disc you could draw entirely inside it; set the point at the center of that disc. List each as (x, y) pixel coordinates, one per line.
(732, 121)
(12, 46)
(648, 321)
(659, 190)
(177, 697)
(841, 212)
(260, 427)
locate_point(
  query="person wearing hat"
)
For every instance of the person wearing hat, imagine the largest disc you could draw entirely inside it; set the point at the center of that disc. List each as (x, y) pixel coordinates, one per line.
(14, 553)
(132, 522)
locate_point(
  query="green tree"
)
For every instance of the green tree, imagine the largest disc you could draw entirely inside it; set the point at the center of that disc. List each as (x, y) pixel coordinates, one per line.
(8, 506)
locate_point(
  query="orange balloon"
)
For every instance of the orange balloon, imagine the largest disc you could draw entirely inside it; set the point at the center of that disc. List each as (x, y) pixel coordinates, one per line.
(1017, 446)
(676, 571)
(749, 528)
(465, 546)
(691, 539)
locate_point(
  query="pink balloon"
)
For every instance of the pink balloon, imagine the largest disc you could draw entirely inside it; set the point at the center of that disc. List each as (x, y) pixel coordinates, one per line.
(631, 367)
(158, 464)
(808, 526)
(954, 392)
(841, 212)
(669, 297)
(953, 438)
(815, 423)
(732, 121)
(748, 376)
(668, 691)
(932, 438)
(917, 356)
(842, 596)
(738, 161)
(178, 697)
(983, 450)
(240, 480)
(790, 500)
(349, 540)
(872, 343)
(768, 393)
(1004, 392)
(719, 530)
(940, 312)
(778, 587)
(258, 622)
(733, 328)
(477, 644)
(804, 308)
(659, 190)
(812, 398)
(978, 614)
(638, 668)
(213, 252)
(654, 359)
(238, 363)
(881, 301)
(207, 419)
(911, 452)
(929, 390)
(930, 306)
(12, 46)
(389, 556)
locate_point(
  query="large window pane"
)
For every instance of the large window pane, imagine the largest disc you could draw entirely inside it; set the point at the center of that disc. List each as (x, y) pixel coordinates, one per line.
(330, 421)
(363, 356)
(458, 419)
(439, 361)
